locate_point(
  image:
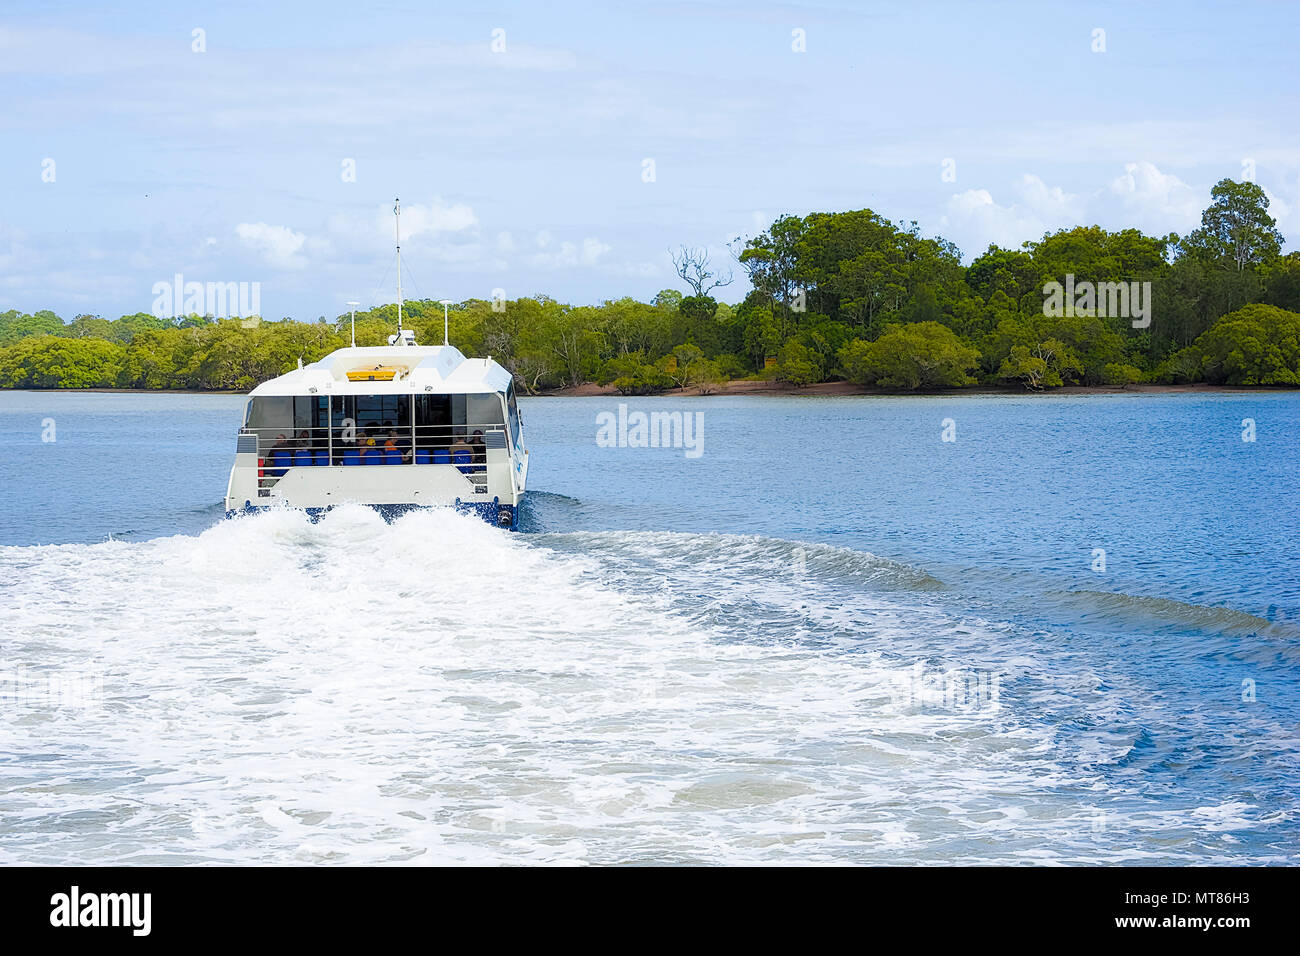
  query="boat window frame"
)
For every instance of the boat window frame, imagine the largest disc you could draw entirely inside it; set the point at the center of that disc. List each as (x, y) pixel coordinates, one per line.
(514, 420)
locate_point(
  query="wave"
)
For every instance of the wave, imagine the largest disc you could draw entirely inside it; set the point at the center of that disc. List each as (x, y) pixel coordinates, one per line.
(753, 555)
(433, 689)
(1156, 627)
(1130, 607)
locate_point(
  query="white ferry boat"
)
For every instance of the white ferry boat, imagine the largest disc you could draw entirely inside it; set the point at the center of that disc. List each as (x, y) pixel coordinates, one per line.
(395, 427)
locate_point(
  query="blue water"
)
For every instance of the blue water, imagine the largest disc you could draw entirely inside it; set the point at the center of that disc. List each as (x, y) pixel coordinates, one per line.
(747, 656)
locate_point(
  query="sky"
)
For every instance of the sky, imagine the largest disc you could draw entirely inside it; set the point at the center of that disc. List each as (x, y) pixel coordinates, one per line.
(563, 148)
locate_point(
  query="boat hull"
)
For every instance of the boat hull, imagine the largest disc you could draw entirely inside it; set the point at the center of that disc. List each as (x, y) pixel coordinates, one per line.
(494, 513)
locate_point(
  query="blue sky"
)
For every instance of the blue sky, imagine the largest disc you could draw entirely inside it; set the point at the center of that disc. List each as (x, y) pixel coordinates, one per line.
(523, 170)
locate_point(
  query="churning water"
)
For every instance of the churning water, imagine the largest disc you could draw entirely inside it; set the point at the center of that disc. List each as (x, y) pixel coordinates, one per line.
(832, 637)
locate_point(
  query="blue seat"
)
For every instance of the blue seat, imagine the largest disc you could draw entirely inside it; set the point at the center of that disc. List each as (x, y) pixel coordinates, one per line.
(392, 457)
(281, 458)
(374, 456)
(462, 457)
(441, 456)
(351, 456)
(303, 457)
(423, 456)
(322, 456)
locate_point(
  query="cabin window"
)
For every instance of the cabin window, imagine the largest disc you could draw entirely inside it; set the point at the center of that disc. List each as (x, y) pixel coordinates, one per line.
(482, 412)
(442, 419)
(382, 412)
(365, 421)
(432, 420)
(371, 414)
(289, 415)
(514, 414)
(271, 412)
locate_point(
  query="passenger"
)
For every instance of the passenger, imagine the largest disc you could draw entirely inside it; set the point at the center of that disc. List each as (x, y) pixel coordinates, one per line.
(479, 449)
(304, 440)
(400, 444)
(281, 453)
(342, 446)
(460, 445)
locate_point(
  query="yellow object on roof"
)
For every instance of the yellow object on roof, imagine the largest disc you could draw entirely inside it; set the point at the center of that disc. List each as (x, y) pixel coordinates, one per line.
(380, 373)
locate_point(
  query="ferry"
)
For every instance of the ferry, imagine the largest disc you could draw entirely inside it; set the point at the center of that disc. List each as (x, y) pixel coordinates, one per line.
(394, 427)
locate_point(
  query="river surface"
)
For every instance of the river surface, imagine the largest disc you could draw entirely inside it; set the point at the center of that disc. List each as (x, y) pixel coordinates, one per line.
(1070, 635)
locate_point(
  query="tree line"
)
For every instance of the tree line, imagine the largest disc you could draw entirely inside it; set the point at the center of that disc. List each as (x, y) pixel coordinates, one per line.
(846, 295)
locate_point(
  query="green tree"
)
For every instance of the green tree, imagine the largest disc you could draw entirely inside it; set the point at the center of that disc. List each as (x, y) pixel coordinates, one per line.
(1117, 374)
(771, 258)
(1255, 345)
(1014, 273)
(684, 356)
(1045, 364)
(669, 300)
(48, 361)
(1282, 282)
(632, 374)
(1097, 255)
(89, 327)
(1236, 226)
(708, 376)
(796, 365)
(918, 355)
(16, 325)
(127, 327)
(761, 337)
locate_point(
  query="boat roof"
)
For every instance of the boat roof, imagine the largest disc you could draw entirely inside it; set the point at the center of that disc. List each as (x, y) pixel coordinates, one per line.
(419, 368)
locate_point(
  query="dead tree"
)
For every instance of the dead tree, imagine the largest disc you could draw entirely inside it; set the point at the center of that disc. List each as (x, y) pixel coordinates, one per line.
(693, 266)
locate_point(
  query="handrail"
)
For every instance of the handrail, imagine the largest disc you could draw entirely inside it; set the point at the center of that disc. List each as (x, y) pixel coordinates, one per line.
(454, 445)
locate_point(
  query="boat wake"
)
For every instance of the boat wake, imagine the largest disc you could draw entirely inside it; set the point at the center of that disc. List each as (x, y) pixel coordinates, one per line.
(431, 689)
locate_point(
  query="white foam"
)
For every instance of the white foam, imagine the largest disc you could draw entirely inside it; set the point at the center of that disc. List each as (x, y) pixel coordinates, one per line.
(436, 690)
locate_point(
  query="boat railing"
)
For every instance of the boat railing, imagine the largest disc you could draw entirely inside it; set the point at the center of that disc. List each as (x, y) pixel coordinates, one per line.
(463, 446)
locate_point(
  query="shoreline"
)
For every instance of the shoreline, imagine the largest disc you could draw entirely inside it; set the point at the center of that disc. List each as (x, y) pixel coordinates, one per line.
(761, 389)
(745, 387)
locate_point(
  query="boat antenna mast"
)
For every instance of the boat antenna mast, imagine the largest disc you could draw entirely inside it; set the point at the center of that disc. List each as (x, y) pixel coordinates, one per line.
(444, 303)
(397, 218)
(353, 305)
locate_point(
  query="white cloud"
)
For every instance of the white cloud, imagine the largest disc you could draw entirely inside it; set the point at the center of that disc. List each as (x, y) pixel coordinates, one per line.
(432, 217)
(279, 246)
(1142, 197)
(641, 270)
(1047, 201)
(1037, 207)
(45, 51)
(1284, 202)
(1156, 201)
(585, 253)
(441, 230)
